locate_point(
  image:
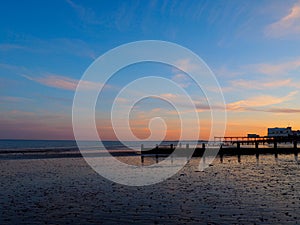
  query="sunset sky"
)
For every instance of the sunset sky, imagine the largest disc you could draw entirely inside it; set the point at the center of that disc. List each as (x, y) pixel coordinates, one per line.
(252, 47)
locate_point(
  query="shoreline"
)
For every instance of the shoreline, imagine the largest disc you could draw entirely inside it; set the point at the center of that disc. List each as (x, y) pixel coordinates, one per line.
(154, 152)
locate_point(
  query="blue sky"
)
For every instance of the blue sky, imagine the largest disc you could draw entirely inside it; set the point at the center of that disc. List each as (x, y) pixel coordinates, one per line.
(45, 47)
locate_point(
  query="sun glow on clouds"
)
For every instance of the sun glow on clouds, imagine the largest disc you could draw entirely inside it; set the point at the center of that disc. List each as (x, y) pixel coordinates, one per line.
(259, 101)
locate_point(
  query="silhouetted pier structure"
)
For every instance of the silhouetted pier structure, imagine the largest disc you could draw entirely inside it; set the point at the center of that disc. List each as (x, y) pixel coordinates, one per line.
(230, 146)
(238, 141)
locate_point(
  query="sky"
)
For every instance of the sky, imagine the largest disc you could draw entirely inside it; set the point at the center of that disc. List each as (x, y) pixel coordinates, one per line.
(252, 47)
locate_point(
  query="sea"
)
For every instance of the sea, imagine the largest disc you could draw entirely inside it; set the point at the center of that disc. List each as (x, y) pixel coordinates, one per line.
(71, 145)
(12, 145)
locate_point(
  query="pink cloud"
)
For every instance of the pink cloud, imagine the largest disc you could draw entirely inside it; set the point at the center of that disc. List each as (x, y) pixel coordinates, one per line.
(277, 68)
(262, 85)
(32, 125)
(258, 101)
(12, 99)
(182, 79)
(65, 83)
(287, 25)
(186, 65)
(281, 110)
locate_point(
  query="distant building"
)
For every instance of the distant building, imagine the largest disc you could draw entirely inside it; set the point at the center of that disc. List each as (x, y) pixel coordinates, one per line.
(296, 132)
(253, 136)
(280, 132)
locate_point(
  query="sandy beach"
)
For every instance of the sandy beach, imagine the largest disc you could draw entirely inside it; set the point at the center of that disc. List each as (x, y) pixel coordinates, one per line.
(68, 191)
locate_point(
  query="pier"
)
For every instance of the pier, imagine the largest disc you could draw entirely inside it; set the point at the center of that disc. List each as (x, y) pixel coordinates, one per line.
(229, 146)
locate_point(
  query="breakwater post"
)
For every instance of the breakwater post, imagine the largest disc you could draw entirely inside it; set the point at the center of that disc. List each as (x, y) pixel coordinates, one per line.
(238, 145)
(275, 150)
(295, 150)
(221, 154)
(256, 150)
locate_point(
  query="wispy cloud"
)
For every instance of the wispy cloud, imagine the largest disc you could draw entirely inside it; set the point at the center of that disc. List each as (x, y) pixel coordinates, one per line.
(38, 125)
(262, 84)
(75, 47)
(13, 99)
(281, 68)
(271, 75)
(69, 46)
(186, 65)
(287, 25)
(179, 77)
(258, 101)
(225, 72)
(171, 96)
(63, 82)
(278, 110)
(85, 14)
(7, 47)
(13, 68)
(182, 79)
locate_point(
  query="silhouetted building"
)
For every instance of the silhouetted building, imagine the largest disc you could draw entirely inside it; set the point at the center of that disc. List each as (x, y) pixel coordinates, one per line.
(280, 132)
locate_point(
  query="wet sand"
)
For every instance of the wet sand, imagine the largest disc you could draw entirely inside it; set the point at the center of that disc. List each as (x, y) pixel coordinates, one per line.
(68, 191)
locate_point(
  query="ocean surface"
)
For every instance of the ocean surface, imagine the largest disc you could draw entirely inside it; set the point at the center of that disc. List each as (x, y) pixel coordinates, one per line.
(69, 145)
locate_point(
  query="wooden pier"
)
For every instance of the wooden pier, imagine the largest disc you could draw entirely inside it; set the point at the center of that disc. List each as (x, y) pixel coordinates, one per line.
(229, 146)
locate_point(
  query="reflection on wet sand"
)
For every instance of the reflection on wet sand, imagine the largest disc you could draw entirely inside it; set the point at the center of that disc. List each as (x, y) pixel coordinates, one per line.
(67, 190)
